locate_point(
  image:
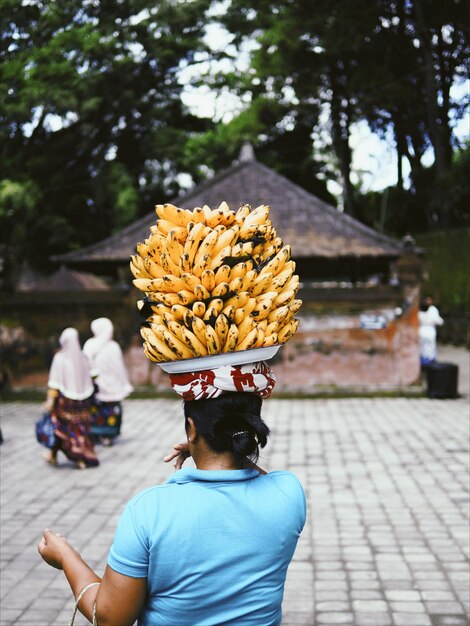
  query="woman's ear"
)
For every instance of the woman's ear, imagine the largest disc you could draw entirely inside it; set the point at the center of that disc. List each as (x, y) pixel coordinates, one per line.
(191, 430)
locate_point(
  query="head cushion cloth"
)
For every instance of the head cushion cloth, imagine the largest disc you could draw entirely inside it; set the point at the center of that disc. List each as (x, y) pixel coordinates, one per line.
(255, 378)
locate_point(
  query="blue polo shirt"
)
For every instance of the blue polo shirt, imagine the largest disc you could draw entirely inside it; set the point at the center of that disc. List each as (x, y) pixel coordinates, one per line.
(213, 545)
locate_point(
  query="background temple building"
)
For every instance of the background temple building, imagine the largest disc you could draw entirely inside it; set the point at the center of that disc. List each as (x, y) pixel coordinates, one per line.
(360, 288)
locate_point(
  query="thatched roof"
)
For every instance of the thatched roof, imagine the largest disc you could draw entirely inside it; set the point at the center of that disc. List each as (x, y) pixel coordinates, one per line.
(310, 225)
(65, 279)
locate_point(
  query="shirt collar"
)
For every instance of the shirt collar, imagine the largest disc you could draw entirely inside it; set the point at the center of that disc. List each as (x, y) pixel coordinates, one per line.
(189, 475)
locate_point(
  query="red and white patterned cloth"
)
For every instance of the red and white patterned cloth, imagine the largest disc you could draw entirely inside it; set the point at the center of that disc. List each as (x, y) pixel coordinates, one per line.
(257, 378)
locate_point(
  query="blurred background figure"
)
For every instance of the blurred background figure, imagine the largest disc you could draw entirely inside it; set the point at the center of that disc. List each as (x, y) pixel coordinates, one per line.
(111, 381)
(69, 398)
(429, 319)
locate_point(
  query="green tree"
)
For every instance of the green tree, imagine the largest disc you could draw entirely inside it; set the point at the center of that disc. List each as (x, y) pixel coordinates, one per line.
(91, 112)
(389, 63)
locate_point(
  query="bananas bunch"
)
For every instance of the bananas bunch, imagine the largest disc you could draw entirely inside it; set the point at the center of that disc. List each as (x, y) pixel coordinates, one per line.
(215, 281)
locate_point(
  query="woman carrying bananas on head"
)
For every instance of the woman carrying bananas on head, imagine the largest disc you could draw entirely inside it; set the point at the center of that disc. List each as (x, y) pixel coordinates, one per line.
(212, 545)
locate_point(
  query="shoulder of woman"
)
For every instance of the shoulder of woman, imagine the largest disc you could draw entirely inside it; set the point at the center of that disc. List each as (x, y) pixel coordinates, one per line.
(284, 477)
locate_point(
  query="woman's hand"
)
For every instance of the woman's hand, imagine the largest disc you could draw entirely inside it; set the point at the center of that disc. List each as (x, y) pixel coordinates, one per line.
(55, 548)
(180, 452)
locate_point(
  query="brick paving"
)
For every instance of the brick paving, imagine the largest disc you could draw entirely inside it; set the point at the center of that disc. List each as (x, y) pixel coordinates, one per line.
(387, 483)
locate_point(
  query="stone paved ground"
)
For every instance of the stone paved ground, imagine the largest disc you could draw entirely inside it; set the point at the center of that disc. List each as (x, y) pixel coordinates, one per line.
(387, 538)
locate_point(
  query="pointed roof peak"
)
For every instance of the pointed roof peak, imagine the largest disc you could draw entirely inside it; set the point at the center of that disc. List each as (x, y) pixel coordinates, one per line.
(246, 153)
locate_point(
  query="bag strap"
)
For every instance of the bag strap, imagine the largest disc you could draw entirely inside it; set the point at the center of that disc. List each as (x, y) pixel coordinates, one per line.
(77, 602)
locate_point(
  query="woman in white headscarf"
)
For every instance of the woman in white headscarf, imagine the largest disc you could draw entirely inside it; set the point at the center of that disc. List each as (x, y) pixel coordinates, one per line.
(110, 376)
(70, 391)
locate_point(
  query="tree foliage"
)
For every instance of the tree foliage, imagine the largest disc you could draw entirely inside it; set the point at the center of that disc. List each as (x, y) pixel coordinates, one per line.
(391, 64)
(91, 112)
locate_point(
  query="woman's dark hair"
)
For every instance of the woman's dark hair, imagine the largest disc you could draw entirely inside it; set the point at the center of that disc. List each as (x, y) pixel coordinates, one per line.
(230, 423)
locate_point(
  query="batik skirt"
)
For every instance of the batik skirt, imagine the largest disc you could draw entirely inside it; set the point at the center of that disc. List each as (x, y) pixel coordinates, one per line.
(73, 430)
(106, 418)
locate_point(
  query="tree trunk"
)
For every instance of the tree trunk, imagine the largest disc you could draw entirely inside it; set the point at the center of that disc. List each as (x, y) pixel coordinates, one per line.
(340, 137)
(437, 123)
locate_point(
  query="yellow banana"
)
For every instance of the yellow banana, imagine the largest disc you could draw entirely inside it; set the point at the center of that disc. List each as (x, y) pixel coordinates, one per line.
(261, 326)
(198, 347)
(190, 281)
(196, 325)
(221, 328)
(276, 264)
(242, 213)
(173, 247)
(161, 347)
(257, 216)
(249, 341)
(159, 308)
(295, 306)
(287, 331)
(240, 269)
(208, 279)
(176, 345)
(202, 264)
(269, 340)
(282, 278)
(239, 299)
(229, 312)
(168, 264)
(185, 297)
(143, 284)
(245, 326)
(235, 285)
(278, 314)
(220, 290)
(171, 213)
(174, 338)
(227, 238)
(138, 268)
(222, 275)
(232, 338)
(248, 280)
(228, 215)
(155, 319)
(212, 340)
(215, 218)
(201, 293)
(261, 283)
(250, 305)
(153, 268)
(213, 310)
(219, 258)
(207, 213)
(178, 311)
(164, 227)
(284, 297)
(262, 309)
(192, 242)
(152, 354)
(242, 249)
(206, 246)
(199, 308)
(169, 299)
(198, 215)
(184, 263)
(169, 283)
(239, 315)
(142, 249)
(293, 284)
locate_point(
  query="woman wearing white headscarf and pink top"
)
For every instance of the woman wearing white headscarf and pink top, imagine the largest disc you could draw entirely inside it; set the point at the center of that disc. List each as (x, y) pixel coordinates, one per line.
(110, 375)
(70, 390)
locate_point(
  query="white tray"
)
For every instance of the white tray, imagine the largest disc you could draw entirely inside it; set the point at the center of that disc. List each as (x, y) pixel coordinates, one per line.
(200, 363)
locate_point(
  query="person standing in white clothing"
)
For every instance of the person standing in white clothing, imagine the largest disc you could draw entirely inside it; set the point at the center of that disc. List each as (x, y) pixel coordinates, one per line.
(111, 380)
(429, 319)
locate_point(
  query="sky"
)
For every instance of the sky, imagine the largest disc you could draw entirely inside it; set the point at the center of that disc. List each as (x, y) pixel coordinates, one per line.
(374, 160)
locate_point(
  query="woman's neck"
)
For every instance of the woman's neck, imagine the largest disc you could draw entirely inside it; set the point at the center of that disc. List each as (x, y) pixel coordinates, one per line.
(211, 461)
